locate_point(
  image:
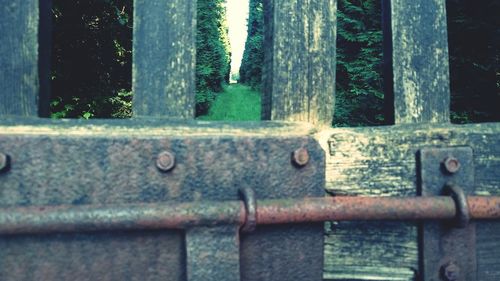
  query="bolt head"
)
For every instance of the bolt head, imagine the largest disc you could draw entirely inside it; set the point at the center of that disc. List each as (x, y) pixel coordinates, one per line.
(4, 162)
(165, 161)
(300, 157)
(450, 272)
(452, 165)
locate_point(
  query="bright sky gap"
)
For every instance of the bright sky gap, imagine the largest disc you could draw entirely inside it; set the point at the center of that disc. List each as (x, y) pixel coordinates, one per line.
(237, 16)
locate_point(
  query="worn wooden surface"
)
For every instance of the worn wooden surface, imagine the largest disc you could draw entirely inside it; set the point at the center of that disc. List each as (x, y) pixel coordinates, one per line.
(151, 127)
(299, 68)
(19, 57)
(164, 58)
(488, 256)
(382, 162)
(420, 67)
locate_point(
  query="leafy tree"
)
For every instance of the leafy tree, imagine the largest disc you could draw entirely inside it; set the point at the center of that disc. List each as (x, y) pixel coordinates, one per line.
(474, 39)
(91, 58)
(360, 97)
(253, 57)
(213, 53)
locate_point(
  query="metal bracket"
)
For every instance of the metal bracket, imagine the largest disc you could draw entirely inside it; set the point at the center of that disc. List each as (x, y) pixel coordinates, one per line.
(448, 250)
(213, 253)
(98, 171)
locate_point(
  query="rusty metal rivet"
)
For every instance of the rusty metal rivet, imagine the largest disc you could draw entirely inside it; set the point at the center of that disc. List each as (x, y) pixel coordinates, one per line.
(4, 163)
(300, 157)
(165, 161)
(452, 165)
(450, 271)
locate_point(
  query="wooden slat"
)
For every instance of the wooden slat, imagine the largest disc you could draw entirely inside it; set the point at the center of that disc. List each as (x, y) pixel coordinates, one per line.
(382, 162)
(488, 263)
(420, 67)
(19, 57)
(164, 58)
(299, 71)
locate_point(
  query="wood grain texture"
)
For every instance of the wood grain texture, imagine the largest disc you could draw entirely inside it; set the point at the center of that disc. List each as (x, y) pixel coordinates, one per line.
(164, 58)
(382, 162)
(488, 255)
(299, 70)
(152, 128)
(420, 64)
(370, 251)
(19, 58)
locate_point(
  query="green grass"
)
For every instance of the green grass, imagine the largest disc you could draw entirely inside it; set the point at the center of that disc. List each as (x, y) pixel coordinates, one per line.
(236, 103)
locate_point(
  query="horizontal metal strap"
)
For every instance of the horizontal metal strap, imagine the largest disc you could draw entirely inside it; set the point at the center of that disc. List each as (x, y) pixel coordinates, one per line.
(31, 220)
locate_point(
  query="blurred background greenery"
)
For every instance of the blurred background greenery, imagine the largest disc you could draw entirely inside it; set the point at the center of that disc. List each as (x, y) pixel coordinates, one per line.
(92, 61)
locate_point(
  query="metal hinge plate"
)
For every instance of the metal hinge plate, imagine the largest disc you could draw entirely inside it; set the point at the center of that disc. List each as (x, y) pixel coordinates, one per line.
(98, 170)
(448, 250)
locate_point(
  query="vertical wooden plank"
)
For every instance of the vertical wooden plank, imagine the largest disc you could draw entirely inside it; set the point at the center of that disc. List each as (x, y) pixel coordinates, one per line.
(488, 258)
(299, 71)
(19, 57)
(420, 66)
(164, 58)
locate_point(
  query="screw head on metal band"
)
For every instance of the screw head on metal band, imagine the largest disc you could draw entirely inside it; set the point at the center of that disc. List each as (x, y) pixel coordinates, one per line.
(300, 157)
(165, 161)
(248, 196)
(450, 271)
(451, 165)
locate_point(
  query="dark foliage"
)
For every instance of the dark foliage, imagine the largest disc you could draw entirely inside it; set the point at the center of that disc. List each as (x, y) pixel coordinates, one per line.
(253, 57)
(91, 58)
(360, 97)
(474, 39)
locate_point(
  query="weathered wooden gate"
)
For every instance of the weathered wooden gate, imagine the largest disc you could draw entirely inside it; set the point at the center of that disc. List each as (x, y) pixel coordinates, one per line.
(160, 197)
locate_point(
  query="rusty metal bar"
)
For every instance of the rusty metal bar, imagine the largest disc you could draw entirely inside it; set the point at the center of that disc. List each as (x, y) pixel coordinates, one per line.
(483, 207)
(373, 208)
(32, 220)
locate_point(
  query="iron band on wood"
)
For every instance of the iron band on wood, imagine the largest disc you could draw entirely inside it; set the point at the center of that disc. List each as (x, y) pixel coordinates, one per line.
(31, 220)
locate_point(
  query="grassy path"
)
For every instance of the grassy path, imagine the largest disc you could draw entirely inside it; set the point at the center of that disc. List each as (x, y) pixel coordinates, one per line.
(236, 103)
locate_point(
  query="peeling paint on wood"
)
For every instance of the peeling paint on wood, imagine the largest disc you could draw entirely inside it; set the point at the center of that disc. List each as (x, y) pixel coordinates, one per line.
(163, 70)
(420, 66)
(370, 251)
(382, 162)
(299, 68)
(19, 58)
